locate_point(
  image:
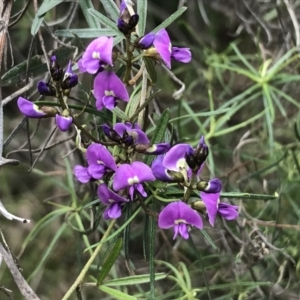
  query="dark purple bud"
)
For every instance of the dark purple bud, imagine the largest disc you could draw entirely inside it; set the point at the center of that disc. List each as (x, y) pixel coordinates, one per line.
(134, 19)
(110, 133)
(46, 89)
(123, 27)
(70, 79)
(55, 70)
(146, 41)
(201, 152)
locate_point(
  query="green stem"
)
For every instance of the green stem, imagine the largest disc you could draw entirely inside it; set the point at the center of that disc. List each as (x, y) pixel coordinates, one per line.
(88, 264)
(129, 60)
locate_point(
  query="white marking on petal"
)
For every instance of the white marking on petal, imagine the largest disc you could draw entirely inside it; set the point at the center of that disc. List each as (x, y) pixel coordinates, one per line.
(96, 55)
(181, 164)
(109, 93)
(36, 108)
(180, 221)
(133, 180)
(111, 200)
(170, 48)
(152, 148)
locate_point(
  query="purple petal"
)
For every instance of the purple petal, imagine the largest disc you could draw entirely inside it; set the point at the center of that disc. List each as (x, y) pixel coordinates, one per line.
(214, 186)
(211, 204)
(178, 212)
(181, 54)
(123, 173)
(109, 102)
(29, 109)
(97, 153)
(228, 211)
(159, 171)
(183, 231)
(107, 196)
(157, 149)
(140, 188)
(114, 211)
(82, 174)
(131, 192)
(163, 46)
(147, 40)
(97, 171)
(175, 158)
(63, 123)
(142, 171)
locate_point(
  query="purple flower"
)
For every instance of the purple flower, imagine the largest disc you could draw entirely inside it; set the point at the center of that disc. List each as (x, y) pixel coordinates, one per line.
(228, 211)
(158, 149)
(131, 133)
(159, 171)
(112, 200)
(99, 162)
(97, 54)
(46, 89)
(29, 109)
(181, 54)
(163, 46)
(179, 215)
(63, 123)
(147, 40)
(214, 186)
(132, 176)
(70, 79)
(108, 88)
(214, 206)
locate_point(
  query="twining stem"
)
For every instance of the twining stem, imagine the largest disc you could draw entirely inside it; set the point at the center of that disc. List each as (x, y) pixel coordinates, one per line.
(85, 269)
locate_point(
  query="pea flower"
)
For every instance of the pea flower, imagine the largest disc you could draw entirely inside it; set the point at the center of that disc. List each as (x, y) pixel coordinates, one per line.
(108, 88)
(180, 216)
(99, 162)
(130, 134)
(70, 79)
(163, 46)
(31, 110)
(181, 54)
(132, 176)
(97, 54)
(214, 207)
(63, 122)
(112, 200)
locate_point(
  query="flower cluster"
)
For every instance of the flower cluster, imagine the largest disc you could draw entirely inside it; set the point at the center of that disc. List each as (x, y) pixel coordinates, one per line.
(116, 163)
(59, 87)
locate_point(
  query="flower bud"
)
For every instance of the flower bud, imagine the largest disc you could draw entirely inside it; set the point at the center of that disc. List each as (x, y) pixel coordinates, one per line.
(64, 121)
(146, 41)
(211, 187)
(70, 79)
(55, 70)
(46, 89)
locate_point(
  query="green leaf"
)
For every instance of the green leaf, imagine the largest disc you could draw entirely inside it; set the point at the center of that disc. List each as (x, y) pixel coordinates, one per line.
(159, 132)
(46, 6)
(104, 21)
(142, 12)
(110, 260)
(150, 68)
(136, 279)
(247, 196)
(37, 66)
(85, 33)
(171, 19)
(117, 294)
(112, 9)
(119, 113)
(86, 5)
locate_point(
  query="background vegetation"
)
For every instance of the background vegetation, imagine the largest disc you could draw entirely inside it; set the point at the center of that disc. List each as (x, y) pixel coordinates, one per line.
(241, 92)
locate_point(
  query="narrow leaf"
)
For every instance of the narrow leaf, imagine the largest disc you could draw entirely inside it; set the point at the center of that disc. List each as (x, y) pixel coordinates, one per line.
(119, 113)
(136, 279)
(104, 20)
(171, 19)
(46, 6)
(112, 9)
(246, 196)
(117, 294)
(86, 5)
(85, 33)
(110, 260)
(142, 12)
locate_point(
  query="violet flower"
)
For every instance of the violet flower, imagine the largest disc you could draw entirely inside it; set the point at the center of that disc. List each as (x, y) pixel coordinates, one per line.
(163, 46)
(159, 171)
(63, 122)
(132, 176)
(130, 134)
(214, 207)
(108, 88)
(99, 162)
(181, 54)
(29, 109)
(46, 89)
(97, 54)
(180, 216)
(112, 200)
(147, 40)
